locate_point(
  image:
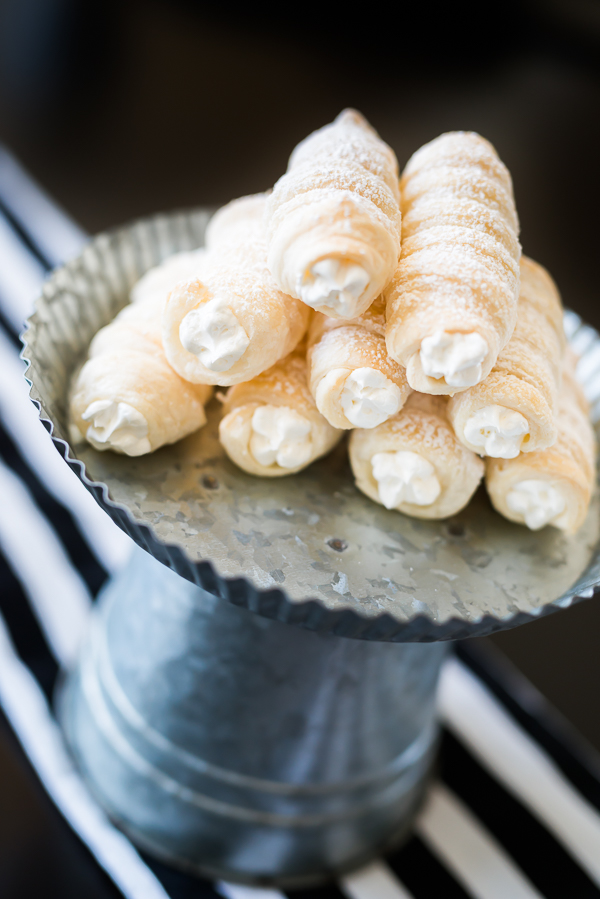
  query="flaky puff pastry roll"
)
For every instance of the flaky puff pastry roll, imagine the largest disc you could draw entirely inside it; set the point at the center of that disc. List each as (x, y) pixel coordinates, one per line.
(126, 397)
(353, 380)
(514, 409)
(271, 425)
(414, 463)
(333, 220)
(452, 304)
(158, 282)
(552, 486)
(231, 322)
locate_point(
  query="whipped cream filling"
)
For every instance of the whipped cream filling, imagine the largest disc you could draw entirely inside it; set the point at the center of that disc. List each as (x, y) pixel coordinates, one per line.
(333, 285)
(369, 398)
(497, 431)
(538, 501)
(280, 435)
(213, 334)
(405, 477)
(117, 426)
(455, 357)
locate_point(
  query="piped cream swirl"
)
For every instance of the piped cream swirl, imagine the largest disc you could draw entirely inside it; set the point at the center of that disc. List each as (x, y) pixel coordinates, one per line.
(538, 501)
(332, 285)
(455, 357)
(369, 398)
(213, 333)
(496, 431)
(405, 477)
(117, 426)
(280, 435)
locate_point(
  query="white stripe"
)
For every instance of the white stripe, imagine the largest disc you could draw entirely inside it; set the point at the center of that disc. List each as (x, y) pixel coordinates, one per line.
(374, 881)
(481, 722)
(27, 710)
(239, 891)
(469, 851)
(51, 228)
(21, 277)
(21, 420)
(58, 595)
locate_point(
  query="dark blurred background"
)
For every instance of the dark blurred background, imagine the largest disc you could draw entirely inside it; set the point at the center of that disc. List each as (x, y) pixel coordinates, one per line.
(121, 109)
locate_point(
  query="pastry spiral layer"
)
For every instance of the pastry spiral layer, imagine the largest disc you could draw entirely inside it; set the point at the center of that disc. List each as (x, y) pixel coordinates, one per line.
(514, 409)
(414, 463)
(271, 426)
(555, 485)
(126, 397)
(333, 220)
(452, 304)
(351, 376)
(231, 322)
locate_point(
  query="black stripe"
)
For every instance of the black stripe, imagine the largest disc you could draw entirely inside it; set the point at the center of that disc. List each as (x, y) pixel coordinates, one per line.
(24, 236)
(178, 884)
(423, 874)
(536, 716)
(59, 517)
(42, 854)
(327, 891)
(10, 331)
(539, 855)
(25, 631)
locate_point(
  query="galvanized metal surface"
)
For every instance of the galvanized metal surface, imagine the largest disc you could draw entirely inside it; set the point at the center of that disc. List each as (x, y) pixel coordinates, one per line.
(309, 549)
(243, 748)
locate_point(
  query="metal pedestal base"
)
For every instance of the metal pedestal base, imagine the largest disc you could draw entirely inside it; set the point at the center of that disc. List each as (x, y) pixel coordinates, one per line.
(241, 747)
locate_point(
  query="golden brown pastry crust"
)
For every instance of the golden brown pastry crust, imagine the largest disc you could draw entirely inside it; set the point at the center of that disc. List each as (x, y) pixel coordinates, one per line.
(338, 199)
(285, 384)
(343, 347)
(527, 374)
(157, 282)
(459, 264)
(234, 270)
(421, 427)
(569, 465)
(127, 364)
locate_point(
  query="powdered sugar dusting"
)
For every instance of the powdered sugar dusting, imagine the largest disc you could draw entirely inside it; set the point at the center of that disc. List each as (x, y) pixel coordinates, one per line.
(339, 200)
(234, 271)
(459, 265)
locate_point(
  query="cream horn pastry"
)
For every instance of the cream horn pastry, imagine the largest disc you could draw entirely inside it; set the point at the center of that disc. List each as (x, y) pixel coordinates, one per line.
(551, 486)
(452, 303)
(231, 322)
(414, 463)
(514, 409)
(157, 283)
(126, 397)
(271, 425)
(353, 380)
(333, 220)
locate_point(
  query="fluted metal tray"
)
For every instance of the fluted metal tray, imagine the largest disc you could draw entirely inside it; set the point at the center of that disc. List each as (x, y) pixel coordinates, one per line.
(309, 549)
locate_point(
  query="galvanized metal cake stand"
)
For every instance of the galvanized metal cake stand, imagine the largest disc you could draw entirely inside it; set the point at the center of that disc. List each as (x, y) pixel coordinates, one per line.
(256, 699)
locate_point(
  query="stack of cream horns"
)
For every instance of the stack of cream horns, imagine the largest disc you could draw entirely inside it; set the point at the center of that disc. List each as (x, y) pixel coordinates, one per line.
(349, 299)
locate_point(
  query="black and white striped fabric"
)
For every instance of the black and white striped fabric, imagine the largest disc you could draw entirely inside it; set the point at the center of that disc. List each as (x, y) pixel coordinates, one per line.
(515, 810)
